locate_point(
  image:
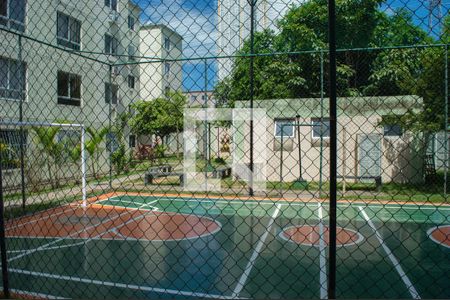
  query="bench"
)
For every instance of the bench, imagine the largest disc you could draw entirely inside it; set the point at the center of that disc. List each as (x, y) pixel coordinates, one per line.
(221, 172)
(150, 176)
(376, 179)
(162, 168)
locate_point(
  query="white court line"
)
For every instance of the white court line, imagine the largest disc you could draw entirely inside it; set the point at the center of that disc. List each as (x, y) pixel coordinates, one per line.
(251, 262)
(410, 206)
(39, 219)
(322, 257)
(430, 235)
(45, 247)
(62, 238)
(391, 256)
(153, 208)
(311, 204)
(120, 285)
(35, 294)
(49, 248)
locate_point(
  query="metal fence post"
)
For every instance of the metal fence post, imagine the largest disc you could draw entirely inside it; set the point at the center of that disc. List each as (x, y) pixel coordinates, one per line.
(2, 237)
(446, 123)
(110, 92)
(252, 86)
(333, 150)
(21, 131)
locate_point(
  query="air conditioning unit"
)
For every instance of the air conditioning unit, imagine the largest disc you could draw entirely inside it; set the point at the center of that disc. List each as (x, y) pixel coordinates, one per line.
(113, 16)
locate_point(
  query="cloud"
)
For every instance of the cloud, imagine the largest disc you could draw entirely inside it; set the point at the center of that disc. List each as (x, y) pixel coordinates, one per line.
(194, 20)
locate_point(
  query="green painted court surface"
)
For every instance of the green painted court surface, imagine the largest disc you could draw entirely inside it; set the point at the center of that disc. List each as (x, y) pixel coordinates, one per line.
(247, 257)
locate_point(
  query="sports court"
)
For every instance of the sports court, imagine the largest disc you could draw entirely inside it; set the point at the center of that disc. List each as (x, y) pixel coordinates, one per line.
(143, 246)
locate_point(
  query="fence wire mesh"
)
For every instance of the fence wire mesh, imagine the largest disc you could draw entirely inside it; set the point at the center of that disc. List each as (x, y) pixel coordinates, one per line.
(185, 149)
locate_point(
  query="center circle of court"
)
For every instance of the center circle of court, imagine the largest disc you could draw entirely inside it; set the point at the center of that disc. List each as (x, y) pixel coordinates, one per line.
(440, 235)
(309, 235)
(112, 224)
(170, 227)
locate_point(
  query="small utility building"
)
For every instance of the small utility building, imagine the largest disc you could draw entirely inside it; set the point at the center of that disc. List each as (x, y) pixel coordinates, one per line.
(365, 147)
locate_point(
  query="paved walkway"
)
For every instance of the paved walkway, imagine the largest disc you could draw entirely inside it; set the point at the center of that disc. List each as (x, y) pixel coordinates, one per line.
(64, 193)
(135, 182)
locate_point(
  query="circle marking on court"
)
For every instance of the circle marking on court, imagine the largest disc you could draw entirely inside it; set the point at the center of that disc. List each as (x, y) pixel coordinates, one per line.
(440, 235)
(308, 235)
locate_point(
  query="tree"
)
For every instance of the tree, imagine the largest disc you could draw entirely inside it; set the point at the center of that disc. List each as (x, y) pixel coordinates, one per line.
(303, 32)
(420, 72)
(8, 157)
(46, 140)
(96, 138)
(160, 117)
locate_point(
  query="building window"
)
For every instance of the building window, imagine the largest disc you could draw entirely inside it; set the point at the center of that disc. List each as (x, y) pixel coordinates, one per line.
(68, 32)
(111, 92)
(393, 130)
(131, 22)
(112, 4)
(167, 43)
(12, 14)
(132, 141)
(131, 53)
(284, 126)
(12, 79)
(69, 89)
(131, 81)
(10, 142)
(320, 128)
(193, 98)
(111, 44)
(166, 69)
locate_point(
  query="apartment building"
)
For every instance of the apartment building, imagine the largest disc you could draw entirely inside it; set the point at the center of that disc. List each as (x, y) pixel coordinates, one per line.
(52, 80)
(54, 66)
(160, 68)
(233, 24)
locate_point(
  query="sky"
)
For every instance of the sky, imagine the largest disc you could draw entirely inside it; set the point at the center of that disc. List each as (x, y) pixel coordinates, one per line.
(196, 21)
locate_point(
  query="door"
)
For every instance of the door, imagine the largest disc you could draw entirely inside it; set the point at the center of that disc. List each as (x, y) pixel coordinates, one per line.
(369, 155)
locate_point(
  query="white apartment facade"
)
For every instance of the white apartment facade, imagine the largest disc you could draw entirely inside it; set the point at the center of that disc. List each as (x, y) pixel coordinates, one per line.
(55, 82)
(55, 58)
(160, 67)
(233, 25)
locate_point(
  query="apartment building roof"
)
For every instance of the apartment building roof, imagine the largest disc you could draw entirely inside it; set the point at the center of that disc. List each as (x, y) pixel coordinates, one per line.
(160, 26)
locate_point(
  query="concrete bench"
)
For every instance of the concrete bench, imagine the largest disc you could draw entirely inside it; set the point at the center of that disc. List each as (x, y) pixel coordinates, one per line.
(162, 168)
(376, 179)
(221, 172)
(151, 175)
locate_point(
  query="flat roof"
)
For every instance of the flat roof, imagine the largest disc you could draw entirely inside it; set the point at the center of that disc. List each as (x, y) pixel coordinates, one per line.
(160, 26)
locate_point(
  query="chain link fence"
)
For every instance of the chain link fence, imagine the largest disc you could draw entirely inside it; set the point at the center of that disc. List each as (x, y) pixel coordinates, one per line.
(224, 149)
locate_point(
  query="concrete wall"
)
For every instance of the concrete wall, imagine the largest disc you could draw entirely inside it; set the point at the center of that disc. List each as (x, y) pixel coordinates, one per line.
(401, 158)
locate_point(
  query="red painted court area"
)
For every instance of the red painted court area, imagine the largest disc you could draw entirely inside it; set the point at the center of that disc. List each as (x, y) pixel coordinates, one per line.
(105, 222)
(440, 235)
(314, 235)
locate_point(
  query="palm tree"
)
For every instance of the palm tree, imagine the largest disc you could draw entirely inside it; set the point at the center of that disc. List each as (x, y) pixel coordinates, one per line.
(93, 146)
(46, 138)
